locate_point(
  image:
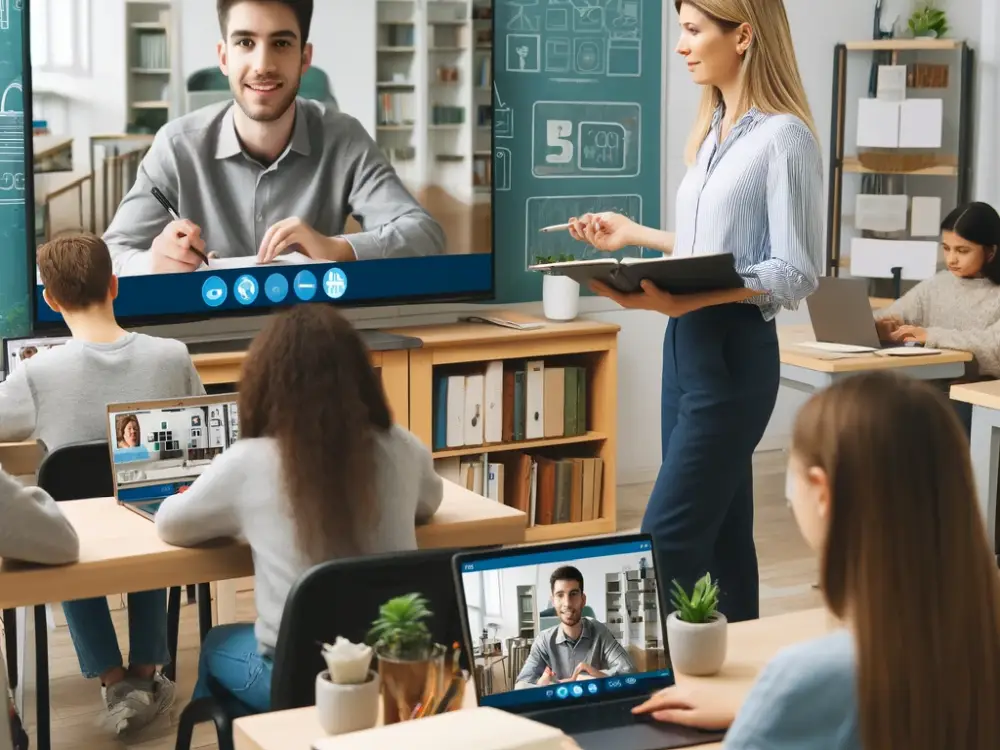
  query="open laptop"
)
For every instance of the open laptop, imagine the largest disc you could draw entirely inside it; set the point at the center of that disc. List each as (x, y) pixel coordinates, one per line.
(503, 595)
(158, 448)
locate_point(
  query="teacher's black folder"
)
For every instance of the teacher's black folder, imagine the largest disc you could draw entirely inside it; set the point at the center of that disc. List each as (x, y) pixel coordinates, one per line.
(688, 275)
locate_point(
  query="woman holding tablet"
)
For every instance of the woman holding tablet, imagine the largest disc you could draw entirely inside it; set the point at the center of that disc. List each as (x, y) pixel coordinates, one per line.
(754, 188)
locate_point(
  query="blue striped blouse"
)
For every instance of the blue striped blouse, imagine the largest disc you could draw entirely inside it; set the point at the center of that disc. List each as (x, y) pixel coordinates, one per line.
(758, 195)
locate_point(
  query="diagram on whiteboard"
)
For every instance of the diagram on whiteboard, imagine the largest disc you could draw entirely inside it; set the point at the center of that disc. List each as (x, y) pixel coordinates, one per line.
(575, 40)
(502, 170)
(544, 212)
(503, 117)
(586, 139)
(12, 145)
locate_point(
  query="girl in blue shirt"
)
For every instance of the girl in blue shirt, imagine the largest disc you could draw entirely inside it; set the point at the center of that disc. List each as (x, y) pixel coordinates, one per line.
(882, 488)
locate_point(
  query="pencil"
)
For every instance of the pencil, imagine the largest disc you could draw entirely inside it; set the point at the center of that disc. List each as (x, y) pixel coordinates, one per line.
(162, 200)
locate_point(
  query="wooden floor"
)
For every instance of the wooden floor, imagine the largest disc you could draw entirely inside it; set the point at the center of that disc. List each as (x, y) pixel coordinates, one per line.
(787, 571)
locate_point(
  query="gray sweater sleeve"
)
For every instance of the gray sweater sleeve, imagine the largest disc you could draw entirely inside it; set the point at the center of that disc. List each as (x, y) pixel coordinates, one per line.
(32, 528)
(981, 343)
(431, 485)
(911, 307)
(207, 510)
(17, 407)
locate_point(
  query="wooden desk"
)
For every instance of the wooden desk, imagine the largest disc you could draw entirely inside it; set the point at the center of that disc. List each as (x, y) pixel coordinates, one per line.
(810, 371)
(984, 445)
(751, 646)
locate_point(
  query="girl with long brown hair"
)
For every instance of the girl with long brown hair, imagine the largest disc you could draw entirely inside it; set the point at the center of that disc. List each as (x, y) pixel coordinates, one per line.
(320, 472)
(882, 488)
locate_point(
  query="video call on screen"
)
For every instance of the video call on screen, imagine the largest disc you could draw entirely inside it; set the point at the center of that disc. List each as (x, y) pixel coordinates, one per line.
(523, 624)
(102, 87)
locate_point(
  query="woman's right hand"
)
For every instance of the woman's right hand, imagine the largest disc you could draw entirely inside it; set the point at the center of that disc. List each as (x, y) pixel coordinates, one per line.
(887, 326)
(605, 231)
(690, 706)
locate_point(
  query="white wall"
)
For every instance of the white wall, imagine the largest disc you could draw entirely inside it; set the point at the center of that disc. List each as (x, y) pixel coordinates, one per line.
(343, 37)
(816, 28)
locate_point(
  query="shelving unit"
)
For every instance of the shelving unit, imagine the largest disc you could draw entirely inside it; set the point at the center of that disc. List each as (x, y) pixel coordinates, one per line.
(632, 602)
(433, 93)
(888, 179)
(469, 348)
(150, 80)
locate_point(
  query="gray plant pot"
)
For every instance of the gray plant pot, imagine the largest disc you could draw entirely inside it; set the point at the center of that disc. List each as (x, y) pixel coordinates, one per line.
(697, 649)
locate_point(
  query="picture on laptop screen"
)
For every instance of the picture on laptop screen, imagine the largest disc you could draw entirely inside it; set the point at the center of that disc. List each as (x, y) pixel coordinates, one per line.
(158, 451)
(567, 623)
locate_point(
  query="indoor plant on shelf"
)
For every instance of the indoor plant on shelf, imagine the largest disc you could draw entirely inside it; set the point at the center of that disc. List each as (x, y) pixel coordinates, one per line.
(560, 294)
(408, 659)
(696, 630)
(928, 20)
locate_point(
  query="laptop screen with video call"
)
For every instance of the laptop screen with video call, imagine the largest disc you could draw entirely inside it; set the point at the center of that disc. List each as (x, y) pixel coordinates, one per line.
(158, 448)
(542, 637)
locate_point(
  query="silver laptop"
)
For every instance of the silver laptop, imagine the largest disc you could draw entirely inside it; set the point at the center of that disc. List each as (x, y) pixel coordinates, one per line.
(158, 448)
(523, 600)
(841, 313)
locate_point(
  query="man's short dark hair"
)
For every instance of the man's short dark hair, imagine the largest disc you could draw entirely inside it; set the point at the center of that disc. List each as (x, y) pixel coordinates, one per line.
(565, 573)
(303, 10)
(76, 270)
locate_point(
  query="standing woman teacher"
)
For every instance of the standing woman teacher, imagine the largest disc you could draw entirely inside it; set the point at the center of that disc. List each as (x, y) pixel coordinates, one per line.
(754, 188)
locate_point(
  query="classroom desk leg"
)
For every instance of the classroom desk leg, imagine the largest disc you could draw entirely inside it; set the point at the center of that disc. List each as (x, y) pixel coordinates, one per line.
(204, 608)
(43, 728)
(984, 444)
(10, 645)
(173, 622)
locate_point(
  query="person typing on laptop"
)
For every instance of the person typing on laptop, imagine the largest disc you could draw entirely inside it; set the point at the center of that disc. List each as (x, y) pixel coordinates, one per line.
(578, 647)
(59, 397)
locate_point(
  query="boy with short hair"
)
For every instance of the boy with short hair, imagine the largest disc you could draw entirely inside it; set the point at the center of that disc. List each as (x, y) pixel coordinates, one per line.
(60, 396)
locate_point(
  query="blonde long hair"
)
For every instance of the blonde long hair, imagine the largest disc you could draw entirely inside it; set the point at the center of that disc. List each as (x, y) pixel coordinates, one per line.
(769, 75)
(907, 560)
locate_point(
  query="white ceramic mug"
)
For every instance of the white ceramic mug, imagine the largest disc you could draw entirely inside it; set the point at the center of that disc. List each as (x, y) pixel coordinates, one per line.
(347, 708)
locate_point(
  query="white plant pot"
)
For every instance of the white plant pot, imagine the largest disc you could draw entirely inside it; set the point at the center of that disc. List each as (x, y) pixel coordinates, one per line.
(347, 708)
(560, 297)
(697, 649)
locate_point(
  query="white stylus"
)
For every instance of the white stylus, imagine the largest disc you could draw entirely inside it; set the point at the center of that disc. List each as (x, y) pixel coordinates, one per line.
(555, 228)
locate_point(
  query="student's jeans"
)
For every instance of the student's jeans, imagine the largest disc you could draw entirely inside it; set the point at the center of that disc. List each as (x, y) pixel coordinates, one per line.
(233, 671)
(94, 638)
(720, 382)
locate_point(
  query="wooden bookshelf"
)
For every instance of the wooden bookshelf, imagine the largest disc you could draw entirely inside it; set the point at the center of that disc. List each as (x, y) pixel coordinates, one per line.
(591, 344)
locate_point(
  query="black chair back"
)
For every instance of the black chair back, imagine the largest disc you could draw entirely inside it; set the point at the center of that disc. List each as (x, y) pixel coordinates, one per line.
(342, 597)
(77, 471)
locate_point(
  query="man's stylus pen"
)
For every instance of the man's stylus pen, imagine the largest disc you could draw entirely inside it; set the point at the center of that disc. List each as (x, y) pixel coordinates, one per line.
(162, 199)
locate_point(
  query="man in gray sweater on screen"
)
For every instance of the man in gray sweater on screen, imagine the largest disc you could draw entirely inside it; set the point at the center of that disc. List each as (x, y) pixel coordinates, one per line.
(59, 397)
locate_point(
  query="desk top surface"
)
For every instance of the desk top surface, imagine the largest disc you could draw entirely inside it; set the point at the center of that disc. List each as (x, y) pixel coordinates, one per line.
(986, 393)
(789, 337)
(119, 547)
(751, 646)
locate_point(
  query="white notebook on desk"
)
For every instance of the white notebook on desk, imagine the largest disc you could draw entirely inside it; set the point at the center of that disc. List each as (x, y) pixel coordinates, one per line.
(480, 728)
(250, 261)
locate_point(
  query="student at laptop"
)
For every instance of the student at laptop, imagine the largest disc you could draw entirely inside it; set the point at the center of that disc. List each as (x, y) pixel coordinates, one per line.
(32, 528)
(958, 308)
(58, 397)
(578, 647)
(882, 488)
(319, 472)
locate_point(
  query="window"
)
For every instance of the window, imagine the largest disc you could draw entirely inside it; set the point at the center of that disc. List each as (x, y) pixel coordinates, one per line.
(484, 600)
(60, 36)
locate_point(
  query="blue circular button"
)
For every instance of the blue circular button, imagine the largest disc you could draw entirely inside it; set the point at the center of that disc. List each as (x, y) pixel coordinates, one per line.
(305, 285)
(245, 289)
(335, 283)
(214, 291)
(276, 287)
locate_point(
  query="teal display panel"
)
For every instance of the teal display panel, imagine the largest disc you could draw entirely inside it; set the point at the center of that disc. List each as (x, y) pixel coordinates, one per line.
(14, 316)
(577, 94)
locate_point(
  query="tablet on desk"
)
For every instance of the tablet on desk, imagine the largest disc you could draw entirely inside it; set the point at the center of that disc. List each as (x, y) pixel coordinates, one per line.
(688, 275)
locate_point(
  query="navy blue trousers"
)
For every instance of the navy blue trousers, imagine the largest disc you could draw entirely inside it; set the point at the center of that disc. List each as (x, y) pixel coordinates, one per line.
(720, 383)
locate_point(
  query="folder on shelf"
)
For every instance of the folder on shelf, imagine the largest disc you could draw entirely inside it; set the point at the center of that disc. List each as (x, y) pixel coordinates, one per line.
(493, 402)
(455, 433)
(687, 275)
(534, 400)
(474, 412)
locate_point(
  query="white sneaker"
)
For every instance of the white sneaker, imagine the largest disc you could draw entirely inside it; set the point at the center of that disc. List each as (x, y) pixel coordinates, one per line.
(133, 703)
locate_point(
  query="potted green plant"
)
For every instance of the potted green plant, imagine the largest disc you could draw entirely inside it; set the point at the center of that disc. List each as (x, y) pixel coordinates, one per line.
(408, 658)
(927, 20)
(696, 630)
(560, 294)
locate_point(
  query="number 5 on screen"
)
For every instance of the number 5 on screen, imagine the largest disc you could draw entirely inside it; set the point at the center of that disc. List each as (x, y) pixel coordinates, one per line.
(559, 136)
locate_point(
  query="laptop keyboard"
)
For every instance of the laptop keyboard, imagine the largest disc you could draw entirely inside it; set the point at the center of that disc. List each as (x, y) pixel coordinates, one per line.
(594, 717)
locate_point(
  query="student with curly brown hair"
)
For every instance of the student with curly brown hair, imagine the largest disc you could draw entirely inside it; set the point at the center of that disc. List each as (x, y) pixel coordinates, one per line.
(320, 472)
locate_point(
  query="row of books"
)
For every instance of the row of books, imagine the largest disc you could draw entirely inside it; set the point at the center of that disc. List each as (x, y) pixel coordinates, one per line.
(502, 405)
(152, 51)
(549, 490)
(396, 108)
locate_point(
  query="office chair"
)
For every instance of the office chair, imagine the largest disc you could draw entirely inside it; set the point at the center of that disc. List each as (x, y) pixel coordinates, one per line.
(340, 597)
(80, 471)
(209, 86)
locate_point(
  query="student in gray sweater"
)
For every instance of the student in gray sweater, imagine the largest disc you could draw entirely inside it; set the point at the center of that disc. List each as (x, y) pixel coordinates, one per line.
(320, 472)
(882, 489)
(32, 528)
(60, 396)
(959, 308)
